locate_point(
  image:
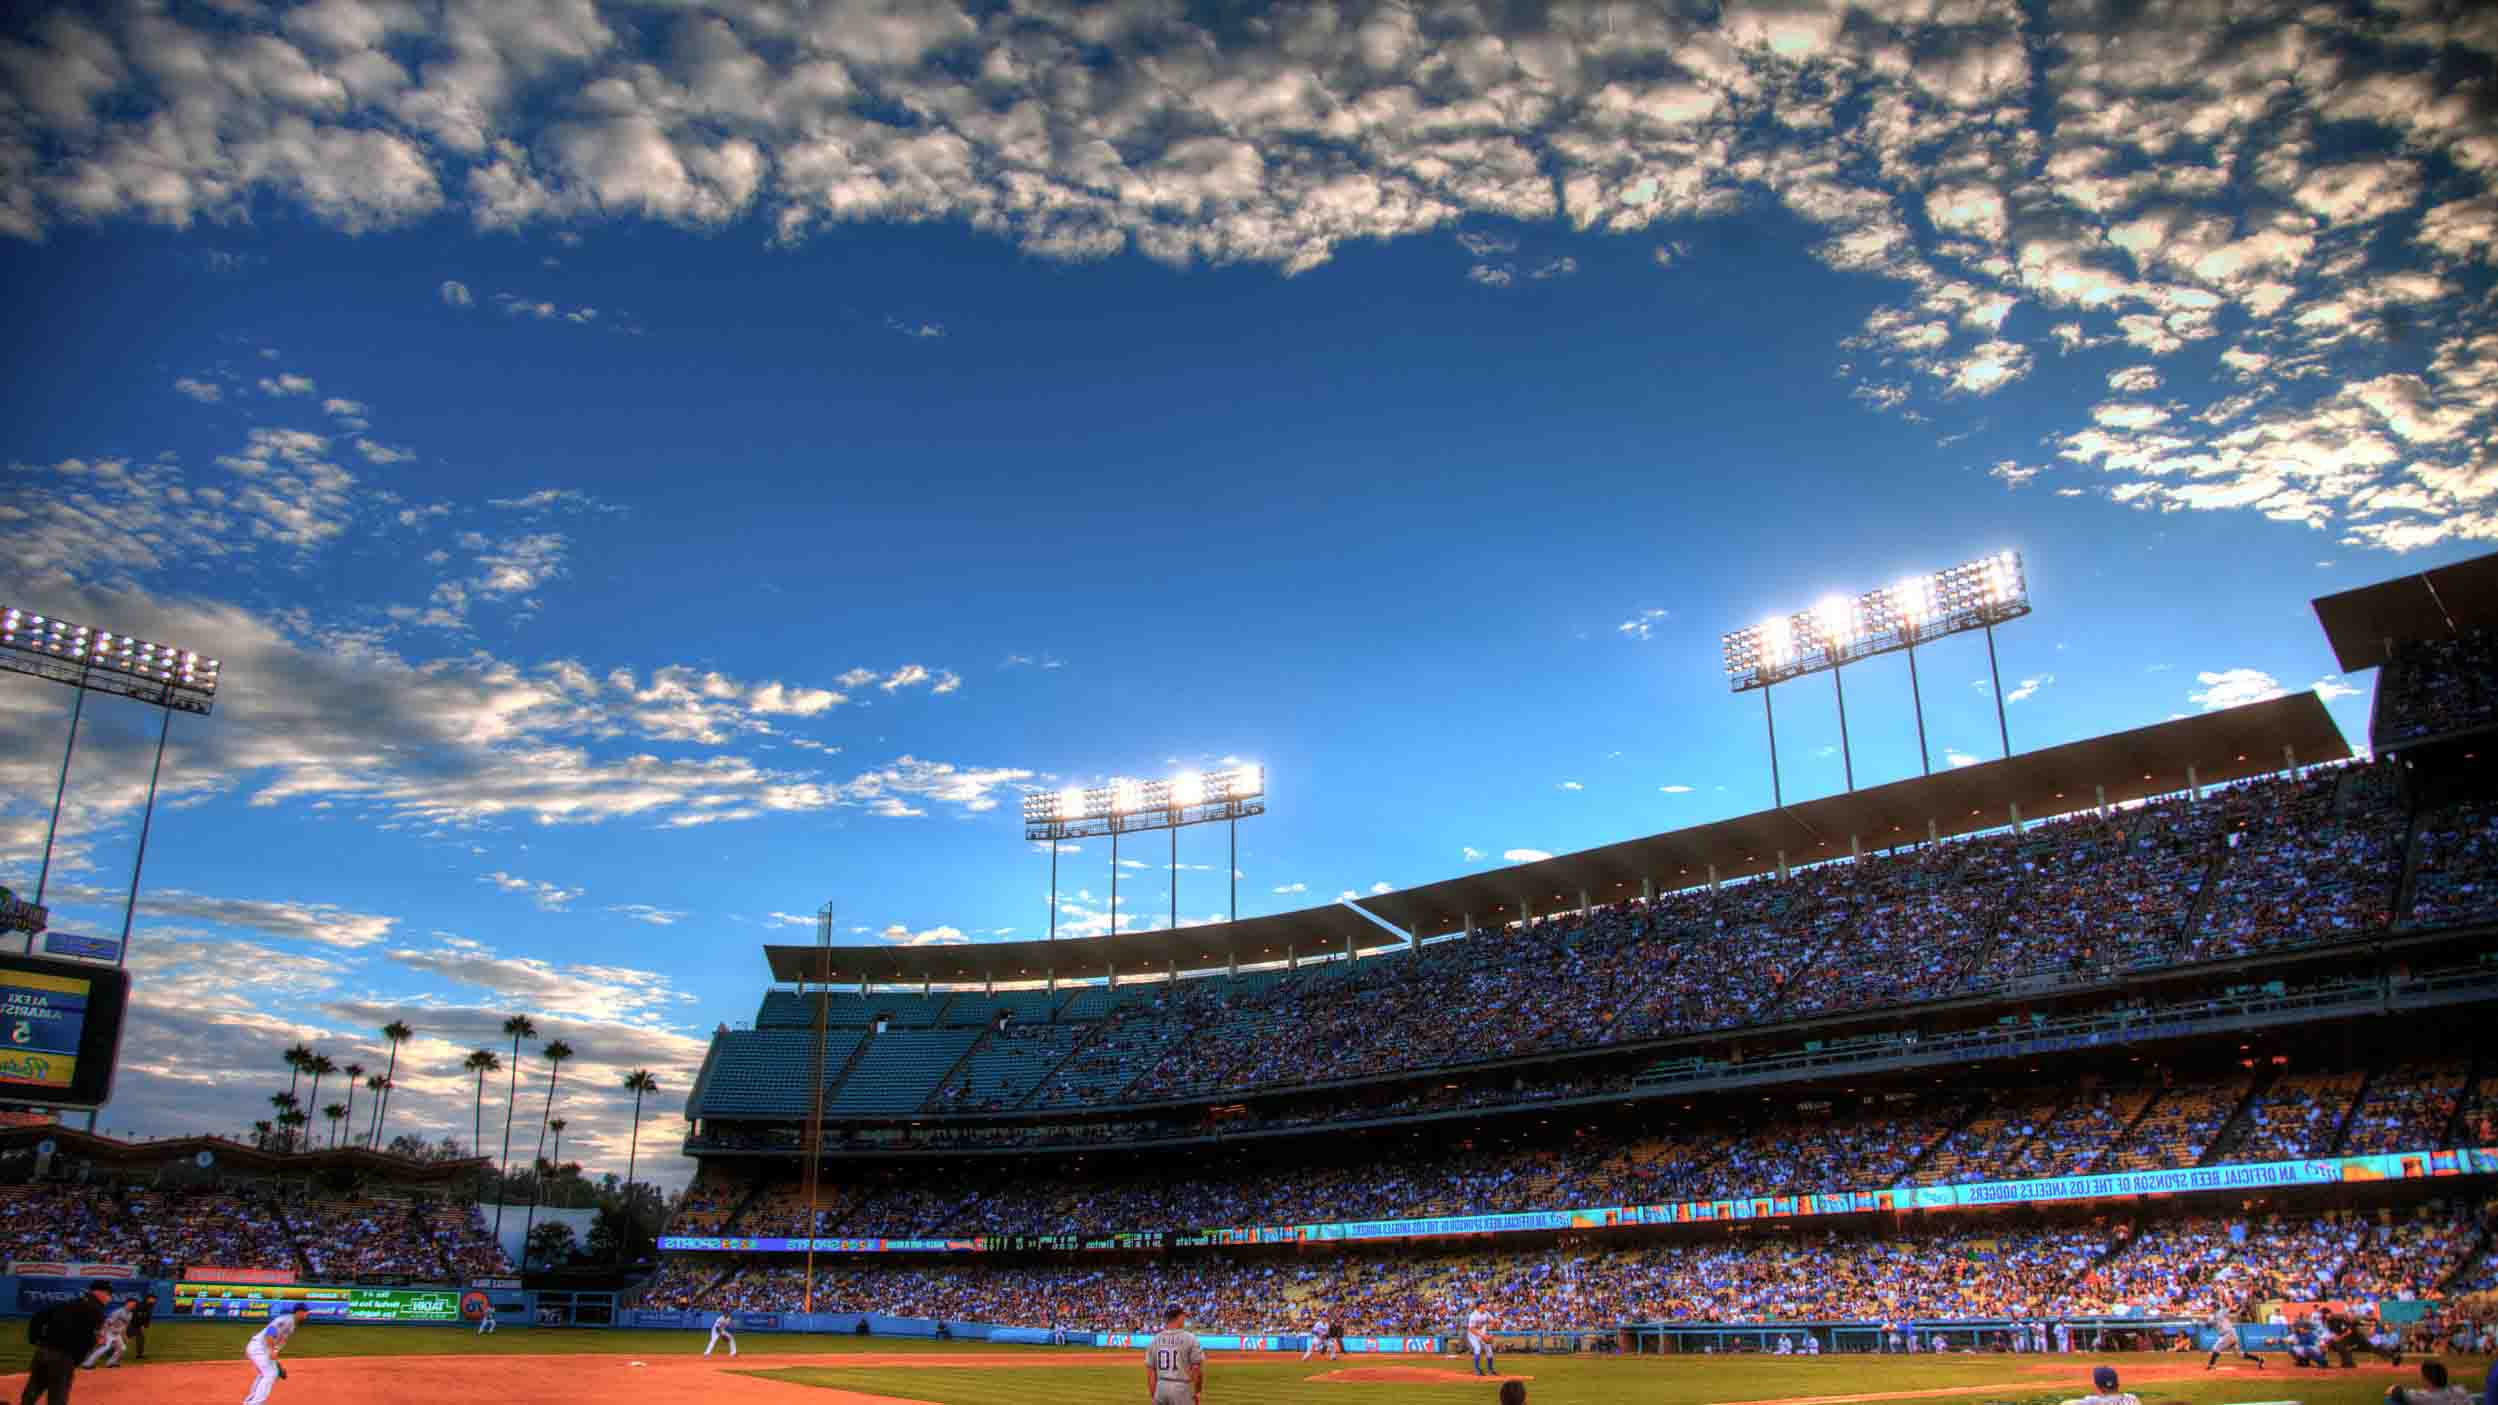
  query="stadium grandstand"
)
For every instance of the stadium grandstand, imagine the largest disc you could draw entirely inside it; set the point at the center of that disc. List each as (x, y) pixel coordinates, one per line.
(2177, 1016)
(206, 1207)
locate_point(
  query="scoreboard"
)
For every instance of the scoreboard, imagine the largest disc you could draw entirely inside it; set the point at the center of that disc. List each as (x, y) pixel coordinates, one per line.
(255, 1301)
(60, 1030)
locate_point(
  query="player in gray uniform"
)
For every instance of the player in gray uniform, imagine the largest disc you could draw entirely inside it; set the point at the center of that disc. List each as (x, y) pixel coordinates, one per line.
(1175, 1365)
(2225, 1337)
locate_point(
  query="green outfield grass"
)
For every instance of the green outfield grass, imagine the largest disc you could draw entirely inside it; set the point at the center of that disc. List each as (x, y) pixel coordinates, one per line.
(1592, 1381)
(223, 1341)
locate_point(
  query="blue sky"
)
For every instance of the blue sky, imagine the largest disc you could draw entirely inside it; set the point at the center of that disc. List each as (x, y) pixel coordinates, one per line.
(651, 474)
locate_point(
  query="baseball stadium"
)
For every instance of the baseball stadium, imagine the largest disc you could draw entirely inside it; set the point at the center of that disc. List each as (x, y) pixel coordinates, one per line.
(2163, 1051)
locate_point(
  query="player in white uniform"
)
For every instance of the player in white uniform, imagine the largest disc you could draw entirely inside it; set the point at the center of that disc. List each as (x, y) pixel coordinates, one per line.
(2064, 1336)
(720, 1332)
(1479, 1340)
(1785, 1347)
(1318, 1338)
(1812, 1345)
(262, 1351)
(1175, 1365)
(2225, 1338)
(485, 1319)
(113, 1340)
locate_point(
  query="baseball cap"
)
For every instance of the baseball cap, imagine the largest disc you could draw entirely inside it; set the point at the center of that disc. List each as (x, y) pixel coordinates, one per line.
(2103, 1377)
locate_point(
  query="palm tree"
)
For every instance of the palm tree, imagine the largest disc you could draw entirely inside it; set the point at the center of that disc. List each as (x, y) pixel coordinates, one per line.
(298, 1059)
(638, 1082)
(355, 1072)
(319, 1067)
(398, 1033)
(337, 1114)
(292, 1120)
(281, 1104)
(555, 1155)
(520, 1027)
(480, 1062)
(260, 1135)
(554, 1053)
(375, 1084)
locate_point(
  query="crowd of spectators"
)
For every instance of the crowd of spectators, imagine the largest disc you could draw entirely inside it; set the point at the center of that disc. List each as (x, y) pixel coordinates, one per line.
(2287, 861)
(1806, 1147)
(2436, 688)
(2182, 1266)
(169, 1232)
(2453, 883)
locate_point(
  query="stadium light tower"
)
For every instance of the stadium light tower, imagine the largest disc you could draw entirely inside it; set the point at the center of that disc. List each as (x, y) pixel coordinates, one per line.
(1841, 630)
(100, 661)
(1123, 806)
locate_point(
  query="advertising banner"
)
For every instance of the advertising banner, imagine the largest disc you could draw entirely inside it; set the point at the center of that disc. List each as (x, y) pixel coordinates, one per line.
(214, 1273)
(330, 1303)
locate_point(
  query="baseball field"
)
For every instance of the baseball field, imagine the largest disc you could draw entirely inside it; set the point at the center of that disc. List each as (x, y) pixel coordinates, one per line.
(193, 1361)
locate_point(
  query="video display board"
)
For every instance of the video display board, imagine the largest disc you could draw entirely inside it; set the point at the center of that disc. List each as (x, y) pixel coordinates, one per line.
(254, 1301)
(60, 1030)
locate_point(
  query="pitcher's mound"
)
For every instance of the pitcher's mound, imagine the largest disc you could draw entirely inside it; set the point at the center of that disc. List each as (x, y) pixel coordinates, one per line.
(1409, 1375)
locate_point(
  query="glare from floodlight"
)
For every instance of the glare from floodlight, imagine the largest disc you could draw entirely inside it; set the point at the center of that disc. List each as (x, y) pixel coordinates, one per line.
(1188, 788)
(1070, 804)
(1841, 629)
(108, 662)
(1126, 797)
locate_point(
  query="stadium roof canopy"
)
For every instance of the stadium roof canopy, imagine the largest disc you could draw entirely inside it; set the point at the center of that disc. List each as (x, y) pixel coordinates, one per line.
(2366, 625)
(233, 1155)
(2149, 761)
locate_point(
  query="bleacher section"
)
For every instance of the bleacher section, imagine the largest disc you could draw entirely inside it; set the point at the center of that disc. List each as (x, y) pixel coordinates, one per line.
(1004, 1068)
(763, 1072)
(899, 1070)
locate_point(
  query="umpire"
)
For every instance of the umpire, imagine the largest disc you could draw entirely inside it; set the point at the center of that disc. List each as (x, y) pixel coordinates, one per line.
(62, 1335)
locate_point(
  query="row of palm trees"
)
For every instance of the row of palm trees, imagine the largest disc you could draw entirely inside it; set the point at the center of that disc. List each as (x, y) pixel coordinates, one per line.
(291, 1114)
(301, 1060)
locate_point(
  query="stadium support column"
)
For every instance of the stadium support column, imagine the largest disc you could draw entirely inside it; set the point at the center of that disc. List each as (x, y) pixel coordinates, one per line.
(1713, 878)
(1114, 973)
(1348, 951)
(1782, 865)
(2289, 761)
(147, 821)
(2102, 792)
(1174, 973)
(43, 876)
(1583, 903)
(1855, 847)
(1292, 958)
(1235, 828)
(1053, 887)
(1777, 793)
(2194, 785)
(1934, 833)
(1175, 878)
(2016, 818)
(1847, 756)
(1114, 876)
(1469, 928)
(2001, 729)
(1917, 703)
(1647, 891)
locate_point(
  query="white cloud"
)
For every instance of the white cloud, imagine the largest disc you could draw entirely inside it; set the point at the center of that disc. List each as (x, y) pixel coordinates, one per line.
(2012, 473)
(1291, 888)
(644, 912)
(917, 331)
(908, 675)
(456, 293)
(2233, 687)
(1473, 854)
(897, 934)
(286, 383)
(1675, 789)
(203, 391)
(548, 896)
(1958, 758)
(1377, 888)
(2134, 380)
(1643, 624)
(1525, 855)
(2028, 688)
(2332, 688)
(789, 919)
(1491, 275)
(1571, 785)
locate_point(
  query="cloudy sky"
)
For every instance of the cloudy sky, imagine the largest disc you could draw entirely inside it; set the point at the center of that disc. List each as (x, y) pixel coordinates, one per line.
(652, 470)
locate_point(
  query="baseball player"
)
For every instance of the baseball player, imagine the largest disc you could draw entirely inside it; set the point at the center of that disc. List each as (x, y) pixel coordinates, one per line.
(2103, 1390)
(2064, 1336)
(720, 1332)
(1479, 1340)
(1785, 1347)
(1812, 1345)
(262, 1351)
(1318, 1337)
(2307, 1344)
(1175, 1365)
(2225, 1338)
(485, 1319)
(114, 1341)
